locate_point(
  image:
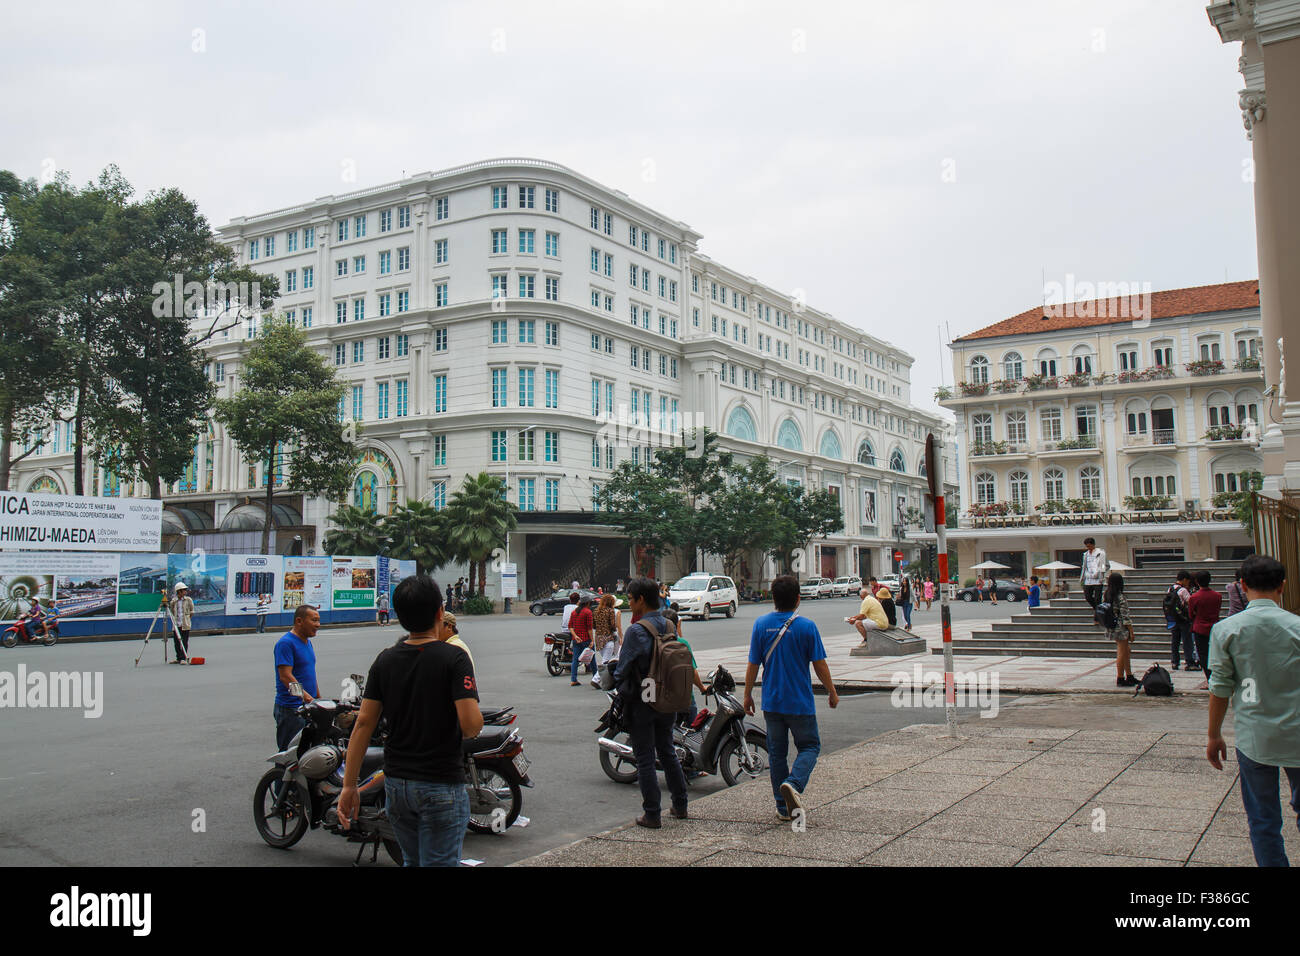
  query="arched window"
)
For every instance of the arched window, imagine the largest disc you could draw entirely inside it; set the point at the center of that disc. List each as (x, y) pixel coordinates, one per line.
(1155, 476)
(1047, 362)
(1082, 360)
(1090, 482)
(979, 370)
(788, 436)
(1019, 482)
(1017, 430)
(1219, 409)
(866, 453)
(830, 446)
(1128, 357)
(981, 428)
(1162, 353)
(1054, 484)
(985, 488)
(921, 469)
(1013, 366)
(740, 424)
(896, 462)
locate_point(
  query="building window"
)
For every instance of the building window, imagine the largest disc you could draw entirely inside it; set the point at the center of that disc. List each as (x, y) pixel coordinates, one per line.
(381, 347)
(498, 446)
(979, 370)
(527, 330)
(441, 208)
(528, 241)
(526, 376)
(552, 388)
(1090, 483)
(1017, 430)
(552, 200)
(440, 251)
(526, 194)
(499, 286)
(309, 237)
(439, 393)
(527, 449)
(552, 333)
(1054, 484)
(403, 301)
(498, 388)
(386, 220)
(982, 428)
(359, 351)
(551, 447)
(385, 262)
(552, 289)
(500, 197)
(385, 304)
(527, 501)
(440, 294)
(361, 226)
(500, 240)
(527, 286)
(1050, 419)
(403, 388)
(1019, 483)
(439, 496)
(358, 402)
(985, 489)
(358, 309)
(404, 343)
(381, 400)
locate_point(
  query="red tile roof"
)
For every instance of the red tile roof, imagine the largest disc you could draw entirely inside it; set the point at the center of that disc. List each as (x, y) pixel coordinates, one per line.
(1097, 312)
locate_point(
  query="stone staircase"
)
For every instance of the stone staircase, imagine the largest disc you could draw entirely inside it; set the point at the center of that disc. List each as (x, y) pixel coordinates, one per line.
(1066, 629)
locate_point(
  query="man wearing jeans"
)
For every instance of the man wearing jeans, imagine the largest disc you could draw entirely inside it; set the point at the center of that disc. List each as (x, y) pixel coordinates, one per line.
(426, 689)
(1094, 571)
(1255, 661)
(785, 644)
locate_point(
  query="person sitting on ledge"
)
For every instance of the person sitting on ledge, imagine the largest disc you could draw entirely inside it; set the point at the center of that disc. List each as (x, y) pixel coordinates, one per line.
(870, 617)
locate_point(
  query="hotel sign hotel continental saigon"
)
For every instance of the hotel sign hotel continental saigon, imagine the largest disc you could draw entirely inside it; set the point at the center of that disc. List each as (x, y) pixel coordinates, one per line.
(1098, 518)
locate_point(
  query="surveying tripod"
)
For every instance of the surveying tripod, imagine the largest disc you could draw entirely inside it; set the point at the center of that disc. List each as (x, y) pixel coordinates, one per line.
(163, 609)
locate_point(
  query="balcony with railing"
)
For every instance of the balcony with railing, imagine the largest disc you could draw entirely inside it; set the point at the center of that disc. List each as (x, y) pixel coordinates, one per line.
(1155, 438)
(1079, 446)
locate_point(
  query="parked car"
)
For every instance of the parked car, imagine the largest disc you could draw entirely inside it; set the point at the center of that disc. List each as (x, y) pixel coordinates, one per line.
(556, 602)
(890, 581)
(847, 586)
(1006, 592)
(699, 595)
(812, 588)
(827, 588)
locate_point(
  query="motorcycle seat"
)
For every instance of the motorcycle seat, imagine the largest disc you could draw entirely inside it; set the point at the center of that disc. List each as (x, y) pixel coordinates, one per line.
(494, 713)
(489, 739)
(372, 762)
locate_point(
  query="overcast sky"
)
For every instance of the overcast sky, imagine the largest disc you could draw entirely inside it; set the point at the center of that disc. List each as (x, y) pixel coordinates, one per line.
(915, 167)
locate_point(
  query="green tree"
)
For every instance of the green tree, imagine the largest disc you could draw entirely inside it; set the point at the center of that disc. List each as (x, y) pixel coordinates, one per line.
(478, 519)
(803, 515)
(358, 531)
(744, 513)
(417, 532)
(33, 358)
(155, 394)
(289, 399)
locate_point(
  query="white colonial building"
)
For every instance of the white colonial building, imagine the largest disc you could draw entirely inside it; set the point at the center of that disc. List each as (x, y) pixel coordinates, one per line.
(1129, 419)
(515, 317)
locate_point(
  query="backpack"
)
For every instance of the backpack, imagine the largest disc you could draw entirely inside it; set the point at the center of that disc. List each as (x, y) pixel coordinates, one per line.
(891, 613)
(1104, 614)
(1173, 606)
(1156, 682)
(671, 672)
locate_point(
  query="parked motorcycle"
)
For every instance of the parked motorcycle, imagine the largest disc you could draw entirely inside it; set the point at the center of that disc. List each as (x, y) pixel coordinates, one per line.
(47, 630)
(557, 648)
(722, 742)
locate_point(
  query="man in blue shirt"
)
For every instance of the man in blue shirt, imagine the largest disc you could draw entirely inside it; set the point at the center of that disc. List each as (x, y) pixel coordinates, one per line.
(295, 673)
(1035, 592)
(785, 644)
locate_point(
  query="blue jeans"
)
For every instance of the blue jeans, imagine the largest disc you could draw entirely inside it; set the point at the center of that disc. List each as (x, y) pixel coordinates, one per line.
(1181, 635)
(650, 733)
(780, 727)
(429, 820)
(1260, 794)
(907, 613)
(577, 650)
(287, 724)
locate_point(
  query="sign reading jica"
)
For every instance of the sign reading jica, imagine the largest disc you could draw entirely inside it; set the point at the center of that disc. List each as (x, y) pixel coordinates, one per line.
(1100, 517)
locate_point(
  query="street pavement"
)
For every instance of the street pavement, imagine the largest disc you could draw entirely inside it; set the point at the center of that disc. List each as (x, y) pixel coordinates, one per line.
(124, 788)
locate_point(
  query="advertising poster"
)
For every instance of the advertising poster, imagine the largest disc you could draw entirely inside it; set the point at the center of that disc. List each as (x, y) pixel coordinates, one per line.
(141, 583)
(306, 581)
(205, 577)
(252, 576)
(388, 573)
(354, 583)
(49, 522)
(77, 584)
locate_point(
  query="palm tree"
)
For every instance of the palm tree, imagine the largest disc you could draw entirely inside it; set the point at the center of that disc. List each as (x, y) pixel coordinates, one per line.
(359, 531)
(478, 520)
(417, 532)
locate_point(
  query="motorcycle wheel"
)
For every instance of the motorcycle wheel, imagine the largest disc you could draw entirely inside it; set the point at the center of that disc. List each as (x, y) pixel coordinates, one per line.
(51, 638)
(285, 828)
(498, 783)
(619, 769)
(9, 639)
(729, 757)
(395, 852)
(553, 664)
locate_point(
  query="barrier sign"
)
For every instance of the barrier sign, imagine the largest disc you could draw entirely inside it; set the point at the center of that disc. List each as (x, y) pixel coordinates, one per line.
(45, 522)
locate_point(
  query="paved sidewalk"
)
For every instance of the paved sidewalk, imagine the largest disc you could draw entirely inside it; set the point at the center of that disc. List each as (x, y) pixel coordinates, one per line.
(999, 796)
(1021, 674)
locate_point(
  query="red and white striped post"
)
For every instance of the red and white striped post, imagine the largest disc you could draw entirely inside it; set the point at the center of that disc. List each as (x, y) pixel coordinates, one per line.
(935, 478)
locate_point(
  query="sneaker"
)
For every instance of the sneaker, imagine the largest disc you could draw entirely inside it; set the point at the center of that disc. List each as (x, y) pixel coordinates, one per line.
(649, 822)
(791, 797)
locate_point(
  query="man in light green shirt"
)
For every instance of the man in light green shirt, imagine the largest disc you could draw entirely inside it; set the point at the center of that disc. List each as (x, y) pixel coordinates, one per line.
(1255, 661)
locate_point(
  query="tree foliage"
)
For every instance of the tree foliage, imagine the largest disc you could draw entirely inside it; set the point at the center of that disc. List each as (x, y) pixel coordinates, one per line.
(285, 416)
(478, 519)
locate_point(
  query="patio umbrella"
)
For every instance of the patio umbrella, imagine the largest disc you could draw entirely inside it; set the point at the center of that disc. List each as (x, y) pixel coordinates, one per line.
(1119, 566)
(990, 566)
(1056, 566)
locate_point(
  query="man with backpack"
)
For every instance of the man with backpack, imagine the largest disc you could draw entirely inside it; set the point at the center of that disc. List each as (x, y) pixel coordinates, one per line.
(785, 644)
(1178, 621)
(1255, 663)
(653, 680)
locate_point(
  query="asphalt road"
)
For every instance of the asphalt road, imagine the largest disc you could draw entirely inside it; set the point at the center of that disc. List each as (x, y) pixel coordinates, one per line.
(166, 774)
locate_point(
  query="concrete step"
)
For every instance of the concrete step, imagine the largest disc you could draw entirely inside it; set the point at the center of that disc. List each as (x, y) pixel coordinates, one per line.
(1101, 650)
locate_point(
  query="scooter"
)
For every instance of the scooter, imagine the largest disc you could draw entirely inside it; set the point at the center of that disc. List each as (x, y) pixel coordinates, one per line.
(47, 630)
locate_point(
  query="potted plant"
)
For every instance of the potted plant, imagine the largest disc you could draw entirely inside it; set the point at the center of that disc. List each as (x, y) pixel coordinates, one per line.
(1079, 506)
(1224, 433)
(1205, 366)
(974, 388)
(1040, 381)
(1147, 502)
(1248, 364)
(942, 393)
(1051, 507)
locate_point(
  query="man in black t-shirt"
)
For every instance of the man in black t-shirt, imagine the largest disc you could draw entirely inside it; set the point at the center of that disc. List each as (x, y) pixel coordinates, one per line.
(426, 689)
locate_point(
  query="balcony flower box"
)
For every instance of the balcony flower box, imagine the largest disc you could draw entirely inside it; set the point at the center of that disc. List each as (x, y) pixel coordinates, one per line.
(1205, 366)
(1081, 379)
(1224, 433)
(1070, 444)
(942, 393)
(997, 509)
(1151, 374)
(1081, 506)
(989, 448)
(1007, 385)
(1249, 364)
(1037, 382)
(974, 388)
(1147, 502)
(1051, 507)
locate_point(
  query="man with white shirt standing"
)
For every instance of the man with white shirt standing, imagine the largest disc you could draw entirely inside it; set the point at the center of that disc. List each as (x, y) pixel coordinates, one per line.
(1094, 571)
